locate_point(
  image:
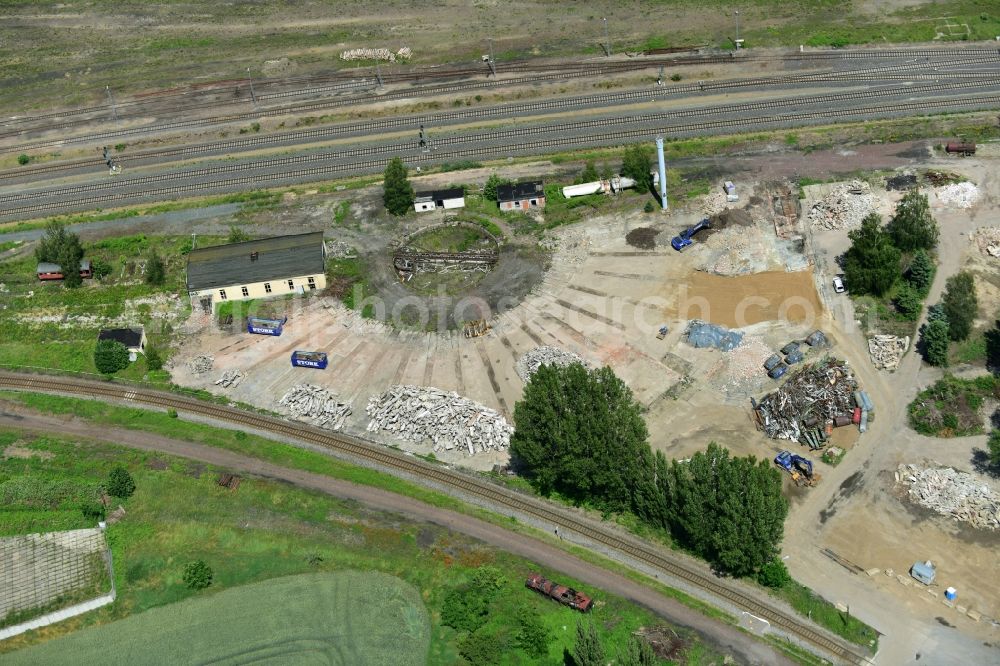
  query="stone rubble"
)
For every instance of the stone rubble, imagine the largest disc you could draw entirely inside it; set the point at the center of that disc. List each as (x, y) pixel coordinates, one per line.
(315, 404)
(529, 363)
(713, 203)
(230, 379)
(844, 207)
(201, 364)
(421, 413)
(887, 350)
(959, 195)
(952, 493)
(987, 239)
(376, 54)
(741, 368)
(336, 249)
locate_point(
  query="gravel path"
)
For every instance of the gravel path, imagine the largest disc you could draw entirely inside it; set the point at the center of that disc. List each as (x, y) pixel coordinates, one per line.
(723, 636)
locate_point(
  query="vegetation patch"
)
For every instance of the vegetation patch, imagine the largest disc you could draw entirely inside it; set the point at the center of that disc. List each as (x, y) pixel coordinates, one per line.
(950, 407)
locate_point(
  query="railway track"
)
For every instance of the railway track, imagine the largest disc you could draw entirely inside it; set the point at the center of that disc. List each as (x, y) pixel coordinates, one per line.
(482, 490)
(311, 174)
(509, 110)
(566, 73)
(126, 187)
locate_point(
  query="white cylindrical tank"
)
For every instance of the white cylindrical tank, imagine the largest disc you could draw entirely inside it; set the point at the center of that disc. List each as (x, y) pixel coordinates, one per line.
(582, 190)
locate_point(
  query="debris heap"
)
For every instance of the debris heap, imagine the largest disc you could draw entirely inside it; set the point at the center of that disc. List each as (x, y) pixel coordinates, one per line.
(315, 404)
(230, 379)
(420, 413)
(376, 54)
(887, 350)
(987, 239)
(844, 207)
(952, 493)
(959, 195)
(528, 364)
(201, 364)
(701, 334)
(820, 391)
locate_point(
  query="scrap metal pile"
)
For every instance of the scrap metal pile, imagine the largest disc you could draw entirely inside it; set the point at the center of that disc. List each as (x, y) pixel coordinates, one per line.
(887, 350)
(421, 413)
(316, 405)
(952, 493)
(528, 364)
(816, 394)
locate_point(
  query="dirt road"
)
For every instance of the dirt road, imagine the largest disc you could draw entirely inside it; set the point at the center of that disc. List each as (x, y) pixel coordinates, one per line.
(726, 638)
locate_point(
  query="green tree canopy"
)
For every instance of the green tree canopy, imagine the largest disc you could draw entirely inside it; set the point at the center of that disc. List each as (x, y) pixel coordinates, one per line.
(156, 270)
(589, 173)
(908, 301)
(397, 191)
(59, 246)
(120, 483)
(871, 265)
(912, 227)
(921, 272)
(728, 510)
(532, 635)
(636, 163)
(934, 342)
(580, 432)
(960, 304)
(588, 650)
(492, 184)
(110, 356)
(197, 575)
(638, 652)
(993, 446)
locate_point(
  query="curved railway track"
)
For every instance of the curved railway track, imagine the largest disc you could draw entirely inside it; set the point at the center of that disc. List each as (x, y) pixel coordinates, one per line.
(591, 70)
(309, 174)
(483, 490)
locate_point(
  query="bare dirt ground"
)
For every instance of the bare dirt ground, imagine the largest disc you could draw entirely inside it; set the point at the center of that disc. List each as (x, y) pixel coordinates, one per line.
(726, 637)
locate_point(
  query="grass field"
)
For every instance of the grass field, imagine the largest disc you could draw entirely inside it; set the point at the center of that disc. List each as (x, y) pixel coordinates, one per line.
(344, 617)
(267, 530)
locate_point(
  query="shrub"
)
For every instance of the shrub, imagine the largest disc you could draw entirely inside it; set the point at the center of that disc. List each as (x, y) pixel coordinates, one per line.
(172, 413)
(153, 359)
(465, 609)
(110, 356)
(100, 268)
(960, 305)
(649, 207)
(908, 302)
(675, 77)
(23, 159)
(934, 342)
(237, 235)
(774, 574)
(120, 483)
(92, 510)
(197, 575)
(156, 270)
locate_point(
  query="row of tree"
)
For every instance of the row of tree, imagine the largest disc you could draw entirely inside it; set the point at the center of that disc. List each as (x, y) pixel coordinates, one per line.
(949, 320)
(580, 434)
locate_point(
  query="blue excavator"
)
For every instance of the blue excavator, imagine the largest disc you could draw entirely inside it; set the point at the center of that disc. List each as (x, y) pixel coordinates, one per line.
(801, 469)
(684, 239)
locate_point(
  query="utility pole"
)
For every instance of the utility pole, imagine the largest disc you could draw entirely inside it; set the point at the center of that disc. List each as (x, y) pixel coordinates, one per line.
(737, 30)
(111, 100)
(607, 40)
(492, 63)
(378, 73)
(253, 97)
(659, 79)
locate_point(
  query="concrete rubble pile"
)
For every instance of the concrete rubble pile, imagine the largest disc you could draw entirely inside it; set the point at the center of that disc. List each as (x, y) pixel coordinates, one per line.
(376, 54)
(740, 368)
(421, 413)
(713, 203)
(819, 391)
(529, 363)
(336, 249)
(230, 379)
(201, 364)
(316, 405)
(701, 334)
(952, 493)
(959, 195)
(844, 207)
(987, 239)
(887, 350)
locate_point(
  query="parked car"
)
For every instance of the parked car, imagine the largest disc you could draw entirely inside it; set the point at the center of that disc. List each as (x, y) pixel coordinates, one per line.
(838, 285)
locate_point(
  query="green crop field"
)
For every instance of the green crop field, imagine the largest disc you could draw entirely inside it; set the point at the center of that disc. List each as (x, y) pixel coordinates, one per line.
(347, 617)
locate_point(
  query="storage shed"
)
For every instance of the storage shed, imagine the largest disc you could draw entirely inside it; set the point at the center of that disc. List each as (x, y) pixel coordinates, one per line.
(257, 269)
(50, 271)
(134, 339)
(521, 196)
(434, 199)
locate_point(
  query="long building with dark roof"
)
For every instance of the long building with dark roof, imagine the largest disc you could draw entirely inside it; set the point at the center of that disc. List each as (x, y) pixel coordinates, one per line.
(258, 268)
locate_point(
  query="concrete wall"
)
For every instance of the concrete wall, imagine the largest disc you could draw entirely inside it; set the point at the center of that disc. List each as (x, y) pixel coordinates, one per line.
(523, 204)
(455, 203)
(259, 289)
(424, 206)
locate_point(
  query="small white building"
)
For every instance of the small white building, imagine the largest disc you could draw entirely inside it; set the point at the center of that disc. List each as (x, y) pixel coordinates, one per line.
(432, 200)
